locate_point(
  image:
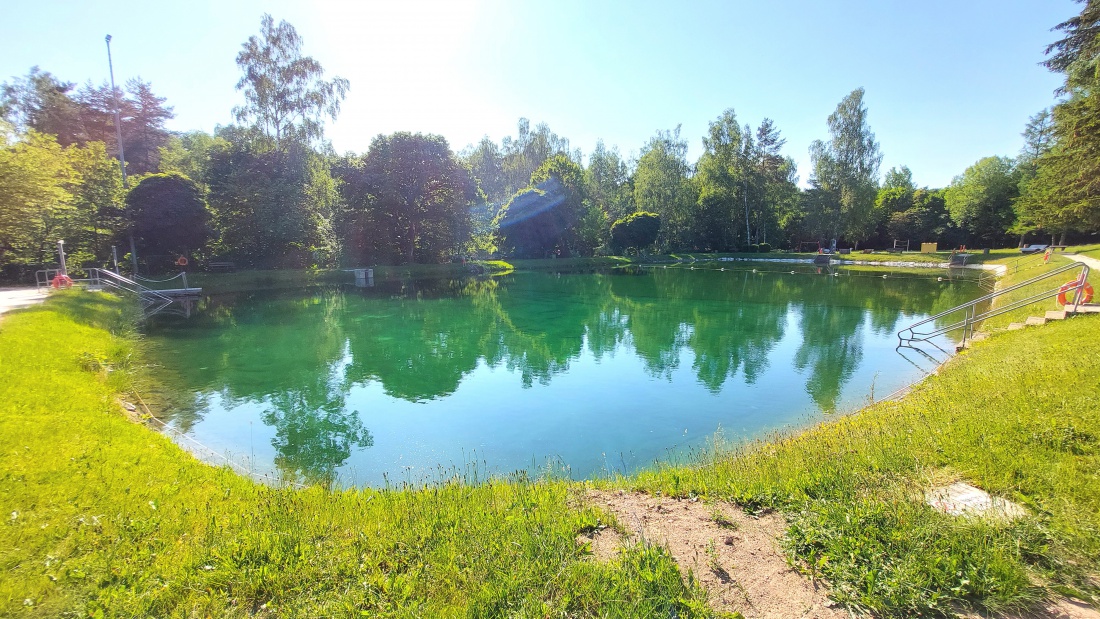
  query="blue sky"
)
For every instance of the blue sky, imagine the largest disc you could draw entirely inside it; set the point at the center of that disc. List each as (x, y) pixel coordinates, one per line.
(947, 82)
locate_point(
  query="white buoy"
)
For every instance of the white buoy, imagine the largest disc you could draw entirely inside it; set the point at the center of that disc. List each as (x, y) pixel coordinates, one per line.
(792, 272)
(722, 269)
(939, 279)
(754, 270)
(884, 277)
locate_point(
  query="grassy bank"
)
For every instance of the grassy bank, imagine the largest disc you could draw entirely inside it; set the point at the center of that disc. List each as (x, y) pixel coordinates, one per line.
(1016, 415)
(104, 516)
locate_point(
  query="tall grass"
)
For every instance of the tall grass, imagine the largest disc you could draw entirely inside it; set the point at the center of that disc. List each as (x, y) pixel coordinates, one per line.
(104, 517)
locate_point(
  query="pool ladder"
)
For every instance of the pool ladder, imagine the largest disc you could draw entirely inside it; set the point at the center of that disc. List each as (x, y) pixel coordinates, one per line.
(974, 315)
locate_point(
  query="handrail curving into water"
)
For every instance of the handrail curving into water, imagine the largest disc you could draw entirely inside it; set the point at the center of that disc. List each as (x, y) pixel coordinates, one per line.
(974, 317)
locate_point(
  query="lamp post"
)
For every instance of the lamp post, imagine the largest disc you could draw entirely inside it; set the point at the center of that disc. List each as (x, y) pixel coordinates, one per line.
(121, 150)
(61, 253)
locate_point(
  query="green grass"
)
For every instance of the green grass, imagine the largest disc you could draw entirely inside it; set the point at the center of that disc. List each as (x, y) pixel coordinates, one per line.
(1015, 415)
(104, 517)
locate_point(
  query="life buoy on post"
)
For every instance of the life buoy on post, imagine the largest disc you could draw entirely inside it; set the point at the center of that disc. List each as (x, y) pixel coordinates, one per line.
(1071, 288)
(181, 261)
(1046, 255)
(61, 281)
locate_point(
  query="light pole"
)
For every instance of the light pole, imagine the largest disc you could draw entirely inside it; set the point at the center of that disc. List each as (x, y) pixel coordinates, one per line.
(121, 150)
(61, 253)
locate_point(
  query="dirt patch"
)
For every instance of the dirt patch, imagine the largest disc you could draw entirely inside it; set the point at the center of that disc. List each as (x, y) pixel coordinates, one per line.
(605, 543)
(737, 558)
(734, 556)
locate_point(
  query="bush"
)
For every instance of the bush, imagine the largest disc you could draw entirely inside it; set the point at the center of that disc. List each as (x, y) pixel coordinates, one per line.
(765, 248)
(637, 230)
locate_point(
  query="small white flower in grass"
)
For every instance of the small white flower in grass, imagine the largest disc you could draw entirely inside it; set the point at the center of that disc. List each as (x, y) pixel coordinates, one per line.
(28, 602)
(153, 504)
(14, 516)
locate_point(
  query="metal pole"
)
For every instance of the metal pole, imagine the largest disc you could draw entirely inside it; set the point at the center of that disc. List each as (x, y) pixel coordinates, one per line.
(114, 256)
(121, 149)
(118, 125)
(61, 252)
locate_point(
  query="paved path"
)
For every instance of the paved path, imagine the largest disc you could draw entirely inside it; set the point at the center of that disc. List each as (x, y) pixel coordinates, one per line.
(1092, 262)
(13, 298)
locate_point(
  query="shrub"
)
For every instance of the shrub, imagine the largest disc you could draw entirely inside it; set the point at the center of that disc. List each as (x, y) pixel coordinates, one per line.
(635, 230)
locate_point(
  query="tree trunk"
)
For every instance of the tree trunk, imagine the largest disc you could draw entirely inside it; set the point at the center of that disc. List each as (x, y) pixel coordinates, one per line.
(748, 235)
(412, 243)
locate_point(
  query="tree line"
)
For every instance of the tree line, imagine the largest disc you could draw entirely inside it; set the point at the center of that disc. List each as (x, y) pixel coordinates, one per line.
(269, 191)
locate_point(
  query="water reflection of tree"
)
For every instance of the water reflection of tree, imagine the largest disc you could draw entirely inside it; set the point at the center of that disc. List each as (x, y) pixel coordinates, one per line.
(301, 356)
(832, 343)
(282, 352)
(314, 432)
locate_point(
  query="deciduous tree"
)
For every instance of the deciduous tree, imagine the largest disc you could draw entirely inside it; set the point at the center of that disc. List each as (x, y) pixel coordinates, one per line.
(36, 202)
(662, 186)
(169, 215)
(846, 170)
(408, 201)
(980, 200)
(286, 97)
(542, 220)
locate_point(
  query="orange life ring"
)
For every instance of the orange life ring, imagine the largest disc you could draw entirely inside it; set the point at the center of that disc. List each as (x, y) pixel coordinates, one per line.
(61, 281)
(1086, 292)
(181, 261)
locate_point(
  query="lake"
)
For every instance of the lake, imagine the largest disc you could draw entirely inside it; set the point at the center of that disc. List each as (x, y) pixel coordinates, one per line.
(574, 374)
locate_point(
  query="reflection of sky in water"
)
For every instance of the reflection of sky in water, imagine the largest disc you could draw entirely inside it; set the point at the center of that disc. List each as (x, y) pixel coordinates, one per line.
(600, 372)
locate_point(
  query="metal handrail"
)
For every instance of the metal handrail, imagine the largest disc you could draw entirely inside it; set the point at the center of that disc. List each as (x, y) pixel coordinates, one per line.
(973, 317)
(104, 277)
(1037, 259)
(43, 278)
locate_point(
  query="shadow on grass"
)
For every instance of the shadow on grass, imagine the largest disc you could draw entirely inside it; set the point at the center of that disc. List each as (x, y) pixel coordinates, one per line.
(118, 315)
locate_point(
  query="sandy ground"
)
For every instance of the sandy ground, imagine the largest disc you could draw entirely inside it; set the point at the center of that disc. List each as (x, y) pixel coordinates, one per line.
(14, 298)
(735, 557)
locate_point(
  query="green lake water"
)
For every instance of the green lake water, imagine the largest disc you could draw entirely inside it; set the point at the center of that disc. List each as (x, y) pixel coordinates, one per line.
(582, 374)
